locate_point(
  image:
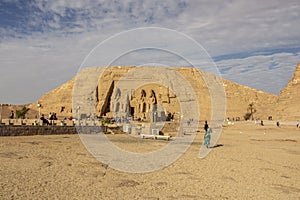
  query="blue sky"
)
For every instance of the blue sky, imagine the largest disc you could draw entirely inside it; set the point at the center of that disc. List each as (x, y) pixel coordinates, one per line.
(43, 43)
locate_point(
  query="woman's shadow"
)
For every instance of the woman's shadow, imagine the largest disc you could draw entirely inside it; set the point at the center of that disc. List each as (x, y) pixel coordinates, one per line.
(217, 145)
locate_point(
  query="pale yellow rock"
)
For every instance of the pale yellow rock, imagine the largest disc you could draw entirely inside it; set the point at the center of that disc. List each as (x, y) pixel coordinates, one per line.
(288, 102)
(96, 90)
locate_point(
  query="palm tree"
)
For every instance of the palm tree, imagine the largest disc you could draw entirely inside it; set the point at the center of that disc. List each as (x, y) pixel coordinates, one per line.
(21, 113)
(251, 110)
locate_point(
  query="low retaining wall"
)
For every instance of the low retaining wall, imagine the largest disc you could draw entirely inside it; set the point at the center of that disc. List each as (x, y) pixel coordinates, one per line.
(31, 122)
(13, 130)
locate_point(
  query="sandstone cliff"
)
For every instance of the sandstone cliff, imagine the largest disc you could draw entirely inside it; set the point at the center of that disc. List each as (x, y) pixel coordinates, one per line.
(239, 97)
(57, 101)
(288, 102)
(285, 106)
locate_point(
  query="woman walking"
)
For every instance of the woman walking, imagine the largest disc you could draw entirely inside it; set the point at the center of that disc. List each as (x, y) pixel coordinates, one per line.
(207, 135)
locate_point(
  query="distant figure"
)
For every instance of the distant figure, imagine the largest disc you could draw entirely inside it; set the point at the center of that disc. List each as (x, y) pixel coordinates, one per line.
(188, 122)
(206, 126)
(277, 124)
(270, 118)
(262, 122)
(54, 116)
(297, 124)
(44, 120)
(12, 115)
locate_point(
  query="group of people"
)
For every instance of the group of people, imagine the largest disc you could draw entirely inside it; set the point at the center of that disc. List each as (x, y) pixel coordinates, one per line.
(44, 120)
(52, 116)
(208, 132)
(277, 123)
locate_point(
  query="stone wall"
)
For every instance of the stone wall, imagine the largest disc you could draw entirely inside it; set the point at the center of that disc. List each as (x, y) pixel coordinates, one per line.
(14, 130)
(35, 122)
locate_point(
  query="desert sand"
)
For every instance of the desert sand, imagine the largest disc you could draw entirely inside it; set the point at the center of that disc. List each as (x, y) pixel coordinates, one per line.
(250, 162)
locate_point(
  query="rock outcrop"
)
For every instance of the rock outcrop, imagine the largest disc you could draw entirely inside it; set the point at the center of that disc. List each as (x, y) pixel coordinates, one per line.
(287, 106)
(57, 101)
(239, 97)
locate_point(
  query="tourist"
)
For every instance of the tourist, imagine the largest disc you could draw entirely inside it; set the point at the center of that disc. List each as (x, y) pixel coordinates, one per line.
(270, 118)
(44, 120)
(205, 126)
(12, 115)
(188, 122)
(207, 135)
(277, 124)
(297, 123)
(262, 122)
(54, 116)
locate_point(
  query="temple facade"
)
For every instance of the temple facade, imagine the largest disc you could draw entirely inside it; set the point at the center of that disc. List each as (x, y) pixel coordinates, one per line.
(147, 103)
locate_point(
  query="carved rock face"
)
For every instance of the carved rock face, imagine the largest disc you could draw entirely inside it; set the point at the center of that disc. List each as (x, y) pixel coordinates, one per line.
(126, 96)
(153, 98)
(284, 106)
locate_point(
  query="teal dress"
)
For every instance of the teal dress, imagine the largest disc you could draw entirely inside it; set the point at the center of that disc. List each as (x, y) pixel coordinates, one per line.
(207, 137)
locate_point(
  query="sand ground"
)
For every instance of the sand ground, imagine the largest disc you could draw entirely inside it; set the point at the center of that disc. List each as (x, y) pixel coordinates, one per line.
(251, 162)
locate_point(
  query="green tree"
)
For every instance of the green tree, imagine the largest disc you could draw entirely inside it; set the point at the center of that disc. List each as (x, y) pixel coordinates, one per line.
(21, 113)
(250, 112)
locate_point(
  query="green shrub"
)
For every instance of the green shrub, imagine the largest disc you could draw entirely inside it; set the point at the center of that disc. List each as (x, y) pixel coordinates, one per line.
(21, 113)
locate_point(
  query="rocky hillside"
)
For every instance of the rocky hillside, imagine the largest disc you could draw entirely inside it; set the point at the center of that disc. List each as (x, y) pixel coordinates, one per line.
(57, 101)
(285, 106)
(239, 97)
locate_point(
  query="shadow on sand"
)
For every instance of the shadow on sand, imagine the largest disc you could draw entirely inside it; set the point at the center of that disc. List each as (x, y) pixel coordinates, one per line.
(217, 145)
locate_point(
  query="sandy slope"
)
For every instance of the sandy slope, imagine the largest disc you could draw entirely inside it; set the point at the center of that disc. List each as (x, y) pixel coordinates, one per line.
(253, 162)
